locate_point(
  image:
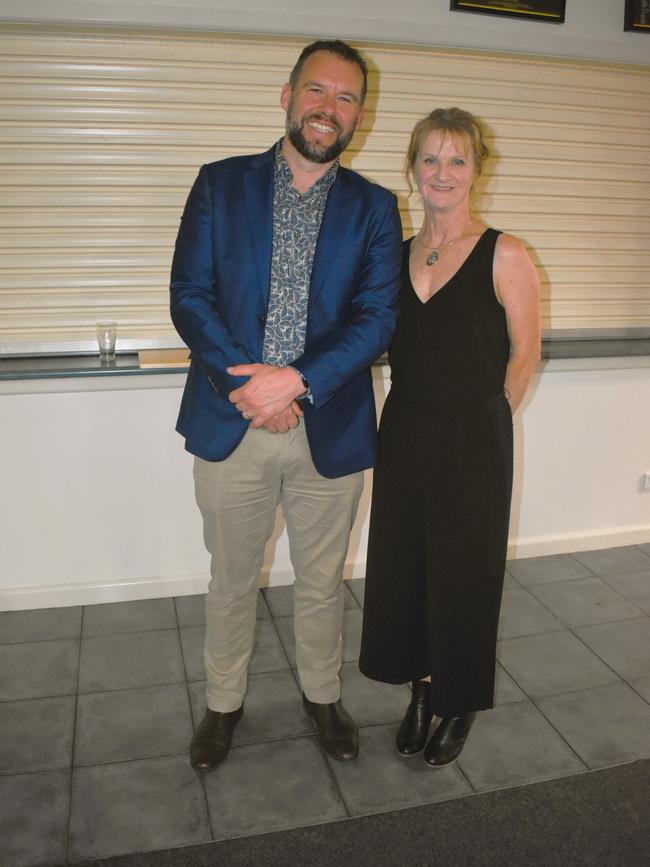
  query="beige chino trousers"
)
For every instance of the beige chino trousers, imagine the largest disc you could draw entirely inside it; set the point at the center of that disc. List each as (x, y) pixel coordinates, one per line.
(238, 498)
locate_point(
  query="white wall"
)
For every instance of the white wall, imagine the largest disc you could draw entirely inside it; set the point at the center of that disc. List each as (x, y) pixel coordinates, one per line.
(582, 446)
(592, 29)
(98, 502)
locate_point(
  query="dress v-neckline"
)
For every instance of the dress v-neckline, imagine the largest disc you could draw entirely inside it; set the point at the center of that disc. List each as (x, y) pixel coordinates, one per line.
(448, 281)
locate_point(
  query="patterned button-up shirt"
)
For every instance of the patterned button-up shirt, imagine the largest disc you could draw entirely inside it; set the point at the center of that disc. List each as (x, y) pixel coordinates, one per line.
(296, 223)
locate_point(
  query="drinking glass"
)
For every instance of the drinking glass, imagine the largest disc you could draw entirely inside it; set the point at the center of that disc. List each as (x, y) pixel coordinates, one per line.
(106, 336)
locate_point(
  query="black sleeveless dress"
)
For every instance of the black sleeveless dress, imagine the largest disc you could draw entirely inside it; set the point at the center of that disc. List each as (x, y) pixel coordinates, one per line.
(441, 492)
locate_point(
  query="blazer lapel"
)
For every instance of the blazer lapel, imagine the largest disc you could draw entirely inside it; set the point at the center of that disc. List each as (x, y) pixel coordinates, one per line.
(258, 192)
(331, 235)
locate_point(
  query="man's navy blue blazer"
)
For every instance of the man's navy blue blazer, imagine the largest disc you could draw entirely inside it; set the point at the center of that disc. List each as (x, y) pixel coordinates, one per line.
(219, 299)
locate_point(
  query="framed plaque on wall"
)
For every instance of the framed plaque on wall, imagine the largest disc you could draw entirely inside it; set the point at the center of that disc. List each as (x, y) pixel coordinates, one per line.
(535, 10)
(637, 15)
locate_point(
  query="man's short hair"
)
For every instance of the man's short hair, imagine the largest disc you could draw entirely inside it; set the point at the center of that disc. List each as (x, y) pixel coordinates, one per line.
(340, 49)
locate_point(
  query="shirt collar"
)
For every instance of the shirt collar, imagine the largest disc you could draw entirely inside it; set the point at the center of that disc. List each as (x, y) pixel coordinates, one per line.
(284, 176)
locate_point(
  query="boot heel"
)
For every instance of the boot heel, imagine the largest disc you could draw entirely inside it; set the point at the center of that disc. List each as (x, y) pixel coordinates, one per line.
(414, 729)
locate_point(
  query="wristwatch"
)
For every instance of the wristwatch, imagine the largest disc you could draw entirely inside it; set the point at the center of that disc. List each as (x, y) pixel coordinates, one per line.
(307, 392)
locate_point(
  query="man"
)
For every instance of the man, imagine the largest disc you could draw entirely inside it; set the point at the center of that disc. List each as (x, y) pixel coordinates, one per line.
(284, 285)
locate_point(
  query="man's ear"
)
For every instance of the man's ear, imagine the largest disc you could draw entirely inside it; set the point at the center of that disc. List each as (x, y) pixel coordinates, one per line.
(359, 119)
(285, 95)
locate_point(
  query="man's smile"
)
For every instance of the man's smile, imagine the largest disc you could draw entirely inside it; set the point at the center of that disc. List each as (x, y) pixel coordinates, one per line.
(327, 127)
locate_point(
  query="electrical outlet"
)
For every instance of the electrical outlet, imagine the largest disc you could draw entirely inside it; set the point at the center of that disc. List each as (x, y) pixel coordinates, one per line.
(645, 482)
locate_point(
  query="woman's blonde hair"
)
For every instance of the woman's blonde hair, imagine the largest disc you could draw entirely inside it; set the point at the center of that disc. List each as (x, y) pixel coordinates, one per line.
(455, 121)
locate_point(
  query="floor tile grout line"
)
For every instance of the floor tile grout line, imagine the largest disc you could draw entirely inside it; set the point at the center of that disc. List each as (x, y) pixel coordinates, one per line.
(636, 691)
(279, 637)
(586, 578)
(570, 580)
(68, 832)
(177, 754)
(572, 555)
(507, 572)
(294, 673)
(166, 755)
(445, 799)
(38, 640)
(467, 778)
(604, 662)
(564, 554)
(541, 697)
(559, 733)
(358, 815)
(332, 777)
(621, 593)
(530, 584)
(562, 775)
(614, 574)
(131, 632)
(140, 686)
(513, 679)
(535, 701)
(639, 548)
(539, 601)
(561, 628)
(572, 629)
(112, 762)
(193, 722)
(349, 590)
(38, 697)
(567, 625)
(532, 701)
(102, 691)
(532, 698)
(358, 601)
(299, 685)
(609, 575)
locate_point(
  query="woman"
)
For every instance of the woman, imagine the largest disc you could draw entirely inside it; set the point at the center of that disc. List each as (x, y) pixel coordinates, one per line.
(466, 346)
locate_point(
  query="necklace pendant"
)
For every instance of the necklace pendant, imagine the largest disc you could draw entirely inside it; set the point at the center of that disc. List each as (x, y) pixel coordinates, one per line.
(432, 258)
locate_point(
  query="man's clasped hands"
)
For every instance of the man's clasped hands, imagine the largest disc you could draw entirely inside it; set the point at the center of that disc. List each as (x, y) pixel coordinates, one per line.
(268, 399)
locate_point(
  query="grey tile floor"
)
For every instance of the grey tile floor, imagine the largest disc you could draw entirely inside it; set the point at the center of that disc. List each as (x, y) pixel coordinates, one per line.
(97, 706)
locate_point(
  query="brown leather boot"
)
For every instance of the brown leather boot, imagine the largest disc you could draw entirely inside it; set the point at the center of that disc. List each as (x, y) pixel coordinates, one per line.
(337, 733)
(212, 738)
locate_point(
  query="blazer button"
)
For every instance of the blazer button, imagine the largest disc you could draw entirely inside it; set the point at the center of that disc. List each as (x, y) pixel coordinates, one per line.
(261, 319)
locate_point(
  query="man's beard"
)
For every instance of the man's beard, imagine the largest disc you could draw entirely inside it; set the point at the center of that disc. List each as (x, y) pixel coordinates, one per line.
(312, 151)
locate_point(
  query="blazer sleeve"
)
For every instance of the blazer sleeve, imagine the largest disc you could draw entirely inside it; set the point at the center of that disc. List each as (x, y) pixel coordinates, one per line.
(193, 304)
(339, 355)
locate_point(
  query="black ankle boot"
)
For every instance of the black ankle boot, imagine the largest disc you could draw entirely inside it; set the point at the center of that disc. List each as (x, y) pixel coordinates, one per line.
(448, 739)
(414, 729)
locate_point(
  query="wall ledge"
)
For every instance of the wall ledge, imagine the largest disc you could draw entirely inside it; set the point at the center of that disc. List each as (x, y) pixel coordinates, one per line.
(126, 364)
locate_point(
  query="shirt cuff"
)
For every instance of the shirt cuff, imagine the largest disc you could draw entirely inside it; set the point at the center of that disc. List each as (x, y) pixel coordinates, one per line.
(307, 393)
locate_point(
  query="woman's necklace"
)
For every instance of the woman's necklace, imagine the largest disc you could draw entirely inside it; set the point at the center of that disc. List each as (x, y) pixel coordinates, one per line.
(434, 255)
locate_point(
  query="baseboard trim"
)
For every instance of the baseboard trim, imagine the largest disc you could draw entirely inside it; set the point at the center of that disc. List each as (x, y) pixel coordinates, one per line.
(540, 546)
(91, 593)
(160, 587)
